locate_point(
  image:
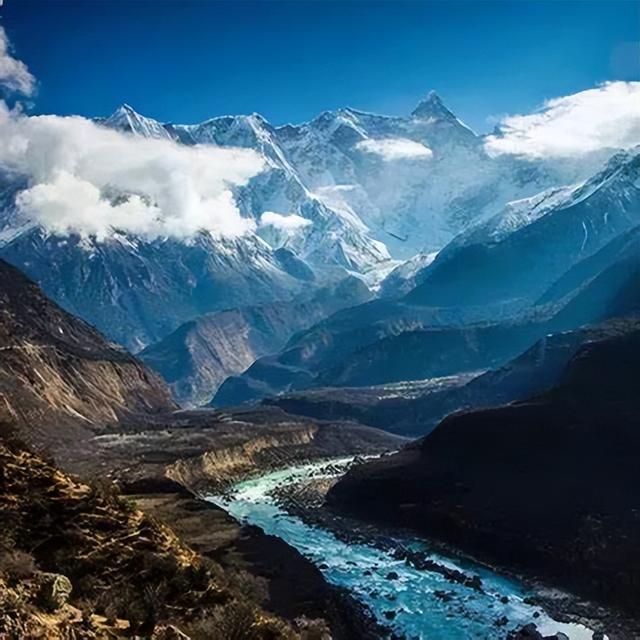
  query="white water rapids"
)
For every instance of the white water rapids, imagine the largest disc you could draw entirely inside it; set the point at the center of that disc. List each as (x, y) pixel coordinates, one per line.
(419, 604)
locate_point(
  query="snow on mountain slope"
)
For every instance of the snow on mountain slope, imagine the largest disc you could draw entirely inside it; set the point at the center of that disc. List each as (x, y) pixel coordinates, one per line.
(335, 237)
(367, 186)
(370, 184)
(126, 119)
(137, 291)
(522, 250)
(574, 251)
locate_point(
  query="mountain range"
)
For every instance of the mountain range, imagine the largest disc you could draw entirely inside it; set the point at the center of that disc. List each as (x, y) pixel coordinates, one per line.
(397, 281)
(363, 190)
(201, 354)
(546, 264)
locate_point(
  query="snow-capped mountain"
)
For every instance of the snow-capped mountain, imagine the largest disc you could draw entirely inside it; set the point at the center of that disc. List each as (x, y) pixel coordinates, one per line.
(138, 291)
(565, 258)
(361, 189)
(369, 184)
(522, 250)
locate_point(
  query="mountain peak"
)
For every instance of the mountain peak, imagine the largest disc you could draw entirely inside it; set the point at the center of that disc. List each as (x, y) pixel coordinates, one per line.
(124, 110)
(126, 118)
(122, 115)
(432, 107)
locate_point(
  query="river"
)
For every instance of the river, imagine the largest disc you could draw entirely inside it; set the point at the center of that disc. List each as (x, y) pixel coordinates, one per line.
(418, 604)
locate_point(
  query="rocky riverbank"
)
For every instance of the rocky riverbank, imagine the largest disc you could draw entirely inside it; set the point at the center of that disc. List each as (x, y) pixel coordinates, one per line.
(545, 487)
(205, 452)
(307, 500)
(292, 586)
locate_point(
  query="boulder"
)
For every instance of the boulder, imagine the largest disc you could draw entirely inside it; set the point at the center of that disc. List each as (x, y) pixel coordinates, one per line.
(55, 590)
(528, 632)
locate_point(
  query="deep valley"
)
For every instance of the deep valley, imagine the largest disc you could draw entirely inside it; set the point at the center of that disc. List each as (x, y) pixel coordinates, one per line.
(328, 374)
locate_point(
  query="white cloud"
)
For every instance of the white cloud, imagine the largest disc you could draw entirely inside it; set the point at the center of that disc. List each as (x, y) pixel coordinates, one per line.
(90, 180)
(287, 223)
(604, 118)
(14, 74)
(390, 149)
(87, 179)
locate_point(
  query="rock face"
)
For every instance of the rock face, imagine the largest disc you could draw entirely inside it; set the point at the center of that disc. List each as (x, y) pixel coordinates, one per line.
(60, 380)
(197, 357)
(544, 485)
(206, 450)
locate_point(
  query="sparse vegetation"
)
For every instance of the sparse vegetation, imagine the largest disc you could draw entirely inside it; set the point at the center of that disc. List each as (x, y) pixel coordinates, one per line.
(120, 570)
(240, 620)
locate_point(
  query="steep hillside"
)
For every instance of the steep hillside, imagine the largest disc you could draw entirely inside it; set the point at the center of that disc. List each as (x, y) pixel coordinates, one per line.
(524, 249)
(415, 408)
(136, 291)
(332, 342)
(544, 485)
(425, 353)
(606, 284)
(476, 323)
(104, 415)
(60, 380)
(196, 358)
(78, 562)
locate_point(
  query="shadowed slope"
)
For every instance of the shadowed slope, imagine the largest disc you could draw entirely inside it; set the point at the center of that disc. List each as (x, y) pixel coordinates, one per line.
(547, 484)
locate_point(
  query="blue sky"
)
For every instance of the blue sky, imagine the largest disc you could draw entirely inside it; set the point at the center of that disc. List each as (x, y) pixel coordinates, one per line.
(184, 61)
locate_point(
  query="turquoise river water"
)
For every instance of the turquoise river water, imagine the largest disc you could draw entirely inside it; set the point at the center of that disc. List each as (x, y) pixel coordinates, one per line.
(414, 599)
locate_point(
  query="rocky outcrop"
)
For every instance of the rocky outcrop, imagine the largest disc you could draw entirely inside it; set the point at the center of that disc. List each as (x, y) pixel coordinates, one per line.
(546, 485)
(267, 439)
(225, 465)
(79, 562)
(54, 591)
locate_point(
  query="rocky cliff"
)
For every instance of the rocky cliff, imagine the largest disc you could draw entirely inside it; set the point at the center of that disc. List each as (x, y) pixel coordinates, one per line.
(206, 450)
